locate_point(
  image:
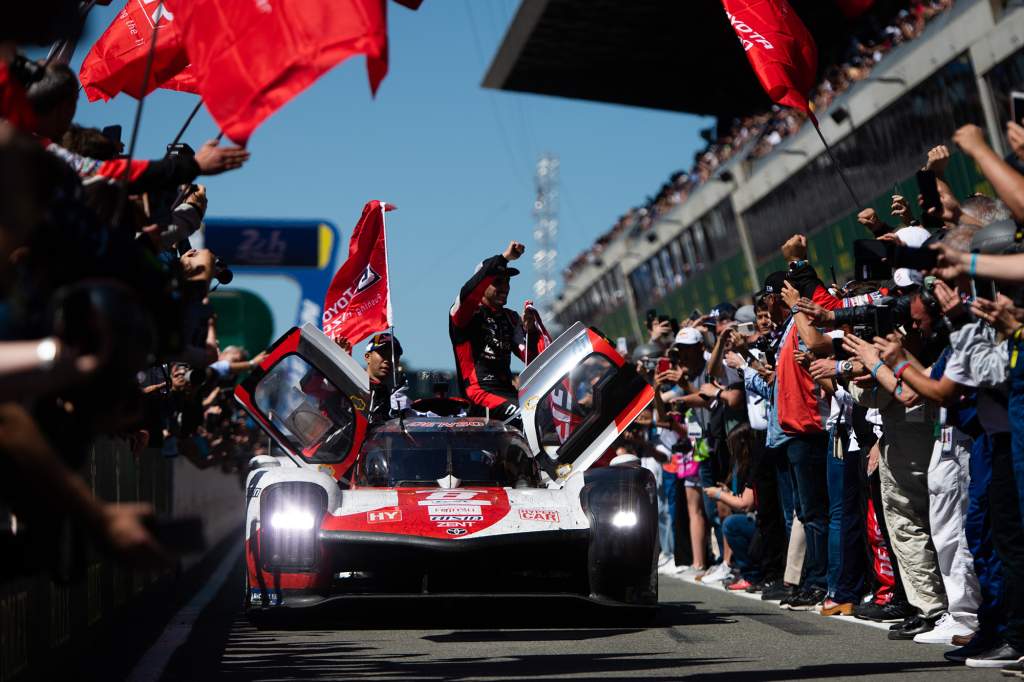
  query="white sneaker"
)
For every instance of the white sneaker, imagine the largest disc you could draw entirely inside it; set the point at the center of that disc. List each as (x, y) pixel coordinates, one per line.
(668, 568)
(664, 559)
(945, 629)
(717, 574)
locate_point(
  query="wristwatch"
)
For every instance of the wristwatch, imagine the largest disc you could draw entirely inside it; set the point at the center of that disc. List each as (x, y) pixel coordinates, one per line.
(794, 310)
(846, 367)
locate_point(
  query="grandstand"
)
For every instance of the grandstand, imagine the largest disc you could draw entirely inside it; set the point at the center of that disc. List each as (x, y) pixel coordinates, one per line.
(721, 241)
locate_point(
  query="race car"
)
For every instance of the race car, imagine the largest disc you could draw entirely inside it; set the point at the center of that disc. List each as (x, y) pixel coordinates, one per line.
(438, 503)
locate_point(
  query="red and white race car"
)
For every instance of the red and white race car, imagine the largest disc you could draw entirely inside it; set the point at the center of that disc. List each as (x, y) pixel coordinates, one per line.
(432, 504)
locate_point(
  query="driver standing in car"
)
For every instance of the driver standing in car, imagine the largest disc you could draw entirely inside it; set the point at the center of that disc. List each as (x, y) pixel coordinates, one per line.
(485, 334)
(383, 351)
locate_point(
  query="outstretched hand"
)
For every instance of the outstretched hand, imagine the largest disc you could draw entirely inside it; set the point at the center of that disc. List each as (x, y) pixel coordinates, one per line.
(213, 159)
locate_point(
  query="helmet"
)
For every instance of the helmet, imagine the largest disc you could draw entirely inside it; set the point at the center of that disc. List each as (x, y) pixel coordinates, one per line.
(647, 350)
(376, 467)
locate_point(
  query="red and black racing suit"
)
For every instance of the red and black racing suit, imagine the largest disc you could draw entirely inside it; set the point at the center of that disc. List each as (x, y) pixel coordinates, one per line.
(484, 339)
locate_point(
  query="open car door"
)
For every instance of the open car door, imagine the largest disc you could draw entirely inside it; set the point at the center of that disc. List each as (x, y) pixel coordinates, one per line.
(309, 395)
(576, 398)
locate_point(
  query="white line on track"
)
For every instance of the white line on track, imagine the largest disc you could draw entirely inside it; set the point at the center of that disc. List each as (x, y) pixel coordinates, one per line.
(150, 667)
(757, 597)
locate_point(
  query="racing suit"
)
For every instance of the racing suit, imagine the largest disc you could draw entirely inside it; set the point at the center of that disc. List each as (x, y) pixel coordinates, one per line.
(483, 340)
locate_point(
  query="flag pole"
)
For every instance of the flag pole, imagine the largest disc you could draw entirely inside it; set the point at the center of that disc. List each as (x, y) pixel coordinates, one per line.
(835, 162)
(145, 82)
(126, 175)
(391, 322)
(188, 121)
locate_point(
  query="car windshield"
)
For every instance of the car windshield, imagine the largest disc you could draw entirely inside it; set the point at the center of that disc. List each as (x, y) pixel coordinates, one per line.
(426, 458)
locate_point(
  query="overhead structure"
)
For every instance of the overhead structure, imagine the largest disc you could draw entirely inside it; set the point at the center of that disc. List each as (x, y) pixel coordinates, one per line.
(545, 232)
(661, 54)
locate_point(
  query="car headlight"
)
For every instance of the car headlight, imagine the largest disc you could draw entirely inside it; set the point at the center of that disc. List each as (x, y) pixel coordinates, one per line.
(292, 519)
(291, 512)
(624, 519)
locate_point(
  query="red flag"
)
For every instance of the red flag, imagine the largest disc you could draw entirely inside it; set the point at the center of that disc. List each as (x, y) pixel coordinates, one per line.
(358, 302)
(779, 47)
(253, 56)
(852, 9)
(117, 62)
(183, 82)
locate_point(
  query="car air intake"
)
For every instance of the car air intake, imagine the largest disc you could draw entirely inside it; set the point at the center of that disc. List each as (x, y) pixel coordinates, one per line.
(290, 516)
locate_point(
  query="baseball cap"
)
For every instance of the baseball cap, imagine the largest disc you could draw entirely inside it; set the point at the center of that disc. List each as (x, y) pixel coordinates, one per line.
(498, 270)
(382, 341)
(745, 314)
(913, 236)
(689, 336)
(724, 309)
(773, 283)
(905, 278)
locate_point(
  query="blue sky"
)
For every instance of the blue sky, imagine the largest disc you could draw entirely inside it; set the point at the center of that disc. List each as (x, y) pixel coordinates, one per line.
(455, 158)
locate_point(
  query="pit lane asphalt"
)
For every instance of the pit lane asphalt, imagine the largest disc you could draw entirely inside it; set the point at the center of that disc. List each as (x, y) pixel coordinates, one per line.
(699, 633)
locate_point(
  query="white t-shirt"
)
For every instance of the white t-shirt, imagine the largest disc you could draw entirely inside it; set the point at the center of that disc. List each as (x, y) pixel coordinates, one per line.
(992, 402)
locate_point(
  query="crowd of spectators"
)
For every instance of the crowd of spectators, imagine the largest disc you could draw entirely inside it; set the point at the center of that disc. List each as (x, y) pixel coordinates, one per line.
(106, 326)
(755, 136)
(857, 449)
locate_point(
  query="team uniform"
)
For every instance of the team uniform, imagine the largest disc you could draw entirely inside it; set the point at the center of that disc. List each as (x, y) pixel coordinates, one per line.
(484, 340)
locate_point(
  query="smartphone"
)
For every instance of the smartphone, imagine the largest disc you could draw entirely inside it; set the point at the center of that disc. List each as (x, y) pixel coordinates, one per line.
(745, 328)
(915, 259)
(621, 346)
(1016, 106)
(664, 365)
(180, 536)
(696, 314)
(929, 189)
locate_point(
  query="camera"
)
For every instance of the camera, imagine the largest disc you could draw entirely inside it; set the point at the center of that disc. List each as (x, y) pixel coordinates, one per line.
(653, 316)
(163, 202)
(200, 376)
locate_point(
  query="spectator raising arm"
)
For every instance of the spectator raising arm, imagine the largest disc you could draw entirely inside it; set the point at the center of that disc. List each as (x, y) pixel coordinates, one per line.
(1008, 183)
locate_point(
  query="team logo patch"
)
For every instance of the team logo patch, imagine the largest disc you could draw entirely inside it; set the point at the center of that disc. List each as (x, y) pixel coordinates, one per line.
(384, 516)
(456, 531)
(367, 279)
(549, 515)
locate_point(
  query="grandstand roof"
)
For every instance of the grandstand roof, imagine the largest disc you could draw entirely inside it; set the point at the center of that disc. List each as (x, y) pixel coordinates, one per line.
(661, 54)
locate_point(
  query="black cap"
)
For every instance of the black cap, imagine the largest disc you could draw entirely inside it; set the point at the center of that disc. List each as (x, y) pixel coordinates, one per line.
(499, 269)
(725, 309)
(773, 284)
(382, 341)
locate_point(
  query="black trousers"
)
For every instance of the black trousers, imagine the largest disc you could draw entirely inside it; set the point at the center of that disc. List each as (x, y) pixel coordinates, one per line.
(769, 550)
(1008, 536)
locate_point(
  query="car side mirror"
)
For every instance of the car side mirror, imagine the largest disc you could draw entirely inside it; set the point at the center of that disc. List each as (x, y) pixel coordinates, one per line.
(263, 462)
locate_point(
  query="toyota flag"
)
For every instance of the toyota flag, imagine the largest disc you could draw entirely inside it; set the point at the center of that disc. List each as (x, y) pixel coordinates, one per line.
(358, 302)
(779, 47)
(117, 62)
